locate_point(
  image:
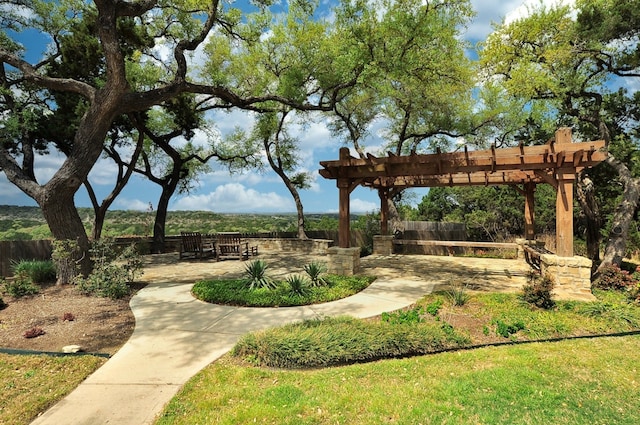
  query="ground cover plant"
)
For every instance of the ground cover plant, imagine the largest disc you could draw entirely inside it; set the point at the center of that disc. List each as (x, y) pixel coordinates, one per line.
(236, 292)
(30, 384)
(344, 340)
(257, 289)
(436, 323)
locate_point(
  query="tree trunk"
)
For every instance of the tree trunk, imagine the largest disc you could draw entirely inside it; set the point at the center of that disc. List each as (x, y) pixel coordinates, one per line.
(296, 196)
(65, 223)
(623, 215)
(593, 219)
(159, 225)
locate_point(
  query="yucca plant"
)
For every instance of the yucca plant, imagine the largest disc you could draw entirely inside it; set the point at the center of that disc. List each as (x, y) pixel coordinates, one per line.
(458, 295)
(298, 285)
(256, 275)
(314, 270)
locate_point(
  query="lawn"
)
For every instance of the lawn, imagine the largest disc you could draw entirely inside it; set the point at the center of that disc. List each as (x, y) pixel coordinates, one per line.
(580, 381)
(30, 384)
(586, 380)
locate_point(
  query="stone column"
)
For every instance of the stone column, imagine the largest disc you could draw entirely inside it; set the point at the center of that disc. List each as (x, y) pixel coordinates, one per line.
(572, 276)
(344, 261)
(383, 244)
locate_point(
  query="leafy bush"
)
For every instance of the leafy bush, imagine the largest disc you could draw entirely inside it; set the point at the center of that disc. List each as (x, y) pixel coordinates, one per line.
(434, 307)
(506, 329)
(342, 340)
(256, 275)
(112, 271)
(298, 285)
(21, 285)
(413, 315)
(612, 277)
(314, 271)
(538, 291)
(40, 271)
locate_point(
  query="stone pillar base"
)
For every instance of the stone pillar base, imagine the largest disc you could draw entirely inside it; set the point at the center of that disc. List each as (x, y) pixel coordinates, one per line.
(522, 242)
(383, 244)
(572, 276)
(344, 261)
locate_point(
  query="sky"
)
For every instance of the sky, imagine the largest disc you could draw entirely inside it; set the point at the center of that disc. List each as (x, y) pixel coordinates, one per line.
(256, 192)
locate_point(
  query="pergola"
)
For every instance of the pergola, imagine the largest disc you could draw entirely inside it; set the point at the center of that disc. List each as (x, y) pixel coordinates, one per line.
(557, 163)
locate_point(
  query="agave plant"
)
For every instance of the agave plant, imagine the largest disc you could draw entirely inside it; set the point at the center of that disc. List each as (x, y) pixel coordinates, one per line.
(298, 285)
(256, 275)
(314, 270)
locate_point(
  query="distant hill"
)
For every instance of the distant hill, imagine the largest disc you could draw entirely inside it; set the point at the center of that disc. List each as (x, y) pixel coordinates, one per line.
(25, 223)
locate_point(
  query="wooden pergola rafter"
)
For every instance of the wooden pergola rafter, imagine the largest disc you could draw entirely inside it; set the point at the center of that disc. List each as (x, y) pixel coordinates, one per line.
(557, 163)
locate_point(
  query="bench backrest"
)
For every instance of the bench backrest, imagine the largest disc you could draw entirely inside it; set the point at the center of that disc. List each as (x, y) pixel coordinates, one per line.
(228, 238)
(191, 241)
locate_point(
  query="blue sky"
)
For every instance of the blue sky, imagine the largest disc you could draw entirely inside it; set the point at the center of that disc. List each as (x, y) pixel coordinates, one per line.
(255, 192)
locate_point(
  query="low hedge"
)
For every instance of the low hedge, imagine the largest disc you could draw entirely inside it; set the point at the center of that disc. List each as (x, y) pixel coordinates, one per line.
(343, 340)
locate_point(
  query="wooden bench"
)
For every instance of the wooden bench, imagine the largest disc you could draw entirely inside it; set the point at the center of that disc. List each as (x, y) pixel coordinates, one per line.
(193, 244)
(232, 246)
(461, 244)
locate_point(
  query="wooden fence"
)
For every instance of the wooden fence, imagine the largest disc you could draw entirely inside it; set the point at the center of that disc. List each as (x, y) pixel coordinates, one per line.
(11, 251)
(429, 231)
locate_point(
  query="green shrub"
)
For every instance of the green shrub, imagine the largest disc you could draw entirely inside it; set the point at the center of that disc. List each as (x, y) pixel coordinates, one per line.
(314, 270)
(434, 307)
(21, 285)
(506, 329)
(256, 275)
(298, 285)
(40, 271)
(343, 340)
(538, 291)
(613, 277)
(112, 272)
(413, 315)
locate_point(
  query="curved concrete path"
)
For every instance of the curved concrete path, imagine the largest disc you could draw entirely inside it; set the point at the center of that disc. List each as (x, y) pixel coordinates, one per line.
(176, 335)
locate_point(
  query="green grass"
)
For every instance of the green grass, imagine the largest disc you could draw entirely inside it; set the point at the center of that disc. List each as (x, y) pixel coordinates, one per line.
(566, 319)
(31, 384)
(571, 382)
(236, 292)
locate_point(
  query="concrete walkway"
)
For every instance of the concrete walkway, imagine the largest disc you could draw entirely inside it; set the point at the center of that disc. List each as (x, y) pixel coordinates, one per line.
(176, 335)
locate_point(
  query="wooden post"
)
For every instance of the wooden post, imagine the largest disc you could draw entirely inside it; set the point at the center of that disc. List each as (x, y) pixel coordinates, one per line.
(529, 211)
(564, 202)
(344, 231)
(384, 210)
(344, 185)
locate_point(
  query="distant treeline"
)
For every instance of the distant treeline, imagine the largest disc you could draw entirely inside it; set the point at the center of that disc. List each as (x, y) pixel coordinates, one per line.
(27, 223)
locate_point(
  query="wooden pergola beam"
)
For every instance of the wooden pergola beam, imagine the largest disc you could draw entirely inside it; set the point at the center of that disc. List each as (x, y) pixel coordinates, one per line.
(557, 163)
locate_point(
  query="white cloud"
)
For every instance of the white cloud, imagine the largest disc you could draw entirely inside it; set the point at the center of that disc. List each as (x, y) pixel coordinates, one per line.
(357, 205)
(131, 204)
(488, 12)
(527, 6)
(234, 197)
